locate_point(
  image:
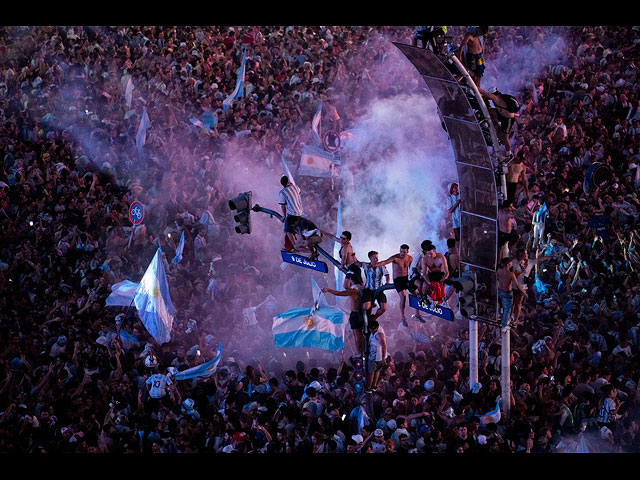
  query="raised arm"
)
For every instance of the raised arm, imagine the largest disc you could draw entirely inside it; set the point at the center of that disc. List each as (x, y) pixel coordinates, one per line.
(384, 262)
(345, 293)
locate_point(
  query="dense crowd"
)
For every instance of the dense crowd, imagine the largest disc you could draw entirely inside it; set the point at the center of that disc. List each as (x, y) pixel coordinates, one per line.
(77, 376)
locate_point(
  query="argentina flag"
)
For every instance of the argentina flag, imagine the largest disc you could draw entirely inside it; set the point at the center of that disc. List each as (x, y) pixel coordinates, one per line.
(122, 294)
(128, 92)
(204, 370)
(304, 327)
(238, 91)
(179, 249)
(315, 126)
(493, 416)
(316, 162)
(153, 303)
(141, 135)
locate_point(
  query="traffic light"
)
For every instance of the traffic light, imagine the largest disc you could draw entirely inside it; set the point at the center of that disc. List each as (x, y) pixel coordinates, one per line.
(359, 374)
(466, 288)
(242, 203)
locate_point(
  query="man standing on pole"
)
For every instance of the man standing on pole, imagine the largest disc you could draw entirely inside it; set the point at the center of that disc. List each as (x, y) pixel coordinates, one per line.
(289, 200)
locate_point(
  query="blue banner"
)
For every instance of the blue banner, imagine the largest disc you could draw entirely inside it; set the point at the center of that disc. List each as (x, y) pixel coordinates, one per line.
(437, 310)
(301, 261)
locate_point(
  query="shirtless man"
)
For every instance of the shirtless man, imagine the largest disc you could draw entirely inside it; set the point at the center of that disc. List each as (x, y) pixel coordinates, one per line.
(506, 232)
(506, 281)
(347, 255)
(453, 264)
(503, 114)
(434, 265)
(473, 57)
(353, 289)
(401, 263)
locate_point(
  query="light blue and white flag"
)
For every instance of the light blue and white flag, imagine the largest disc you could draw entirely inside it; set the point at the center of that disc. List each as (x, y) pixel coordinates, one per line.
(200, 124)
(493, 416)
(300, 327)
(152, 300)
(179, 250)
(128, 91)
(285, 167)
(238, 91)
(210, 119)
(315, 126)
(128, 340)
(141, 135)
(204, 370)
(319, 299)
(316, 162)
(122, 294)
(420, 338)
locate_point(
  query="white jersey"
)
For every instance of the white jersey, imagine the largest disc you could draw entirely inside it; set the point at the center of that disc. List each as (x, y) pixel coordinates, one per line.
(290, 196)
(606, 415)
(158, 384)
(375, 346)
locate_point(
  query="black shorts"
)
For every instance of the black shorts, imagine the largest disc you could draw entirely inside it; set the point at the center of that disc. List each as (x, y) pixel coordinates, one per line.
(435, 276)
(507, 237)
(413, 283)
(401, 283)
(356, 322)
(517, 294)
(369, 295)
(287, 223)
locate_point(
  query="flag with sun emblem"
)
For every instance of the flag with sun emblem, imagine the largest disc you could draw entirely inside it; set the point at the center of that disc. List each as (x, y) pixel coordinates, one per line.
(152, 300)
(320, 326)
(304, 327)
(316, 162)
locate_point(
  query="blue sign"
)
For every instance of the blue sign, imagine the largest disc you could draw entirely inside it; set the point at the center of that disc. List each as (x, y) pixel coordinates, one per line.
(301, 261)
(136, 213)
(437, 310)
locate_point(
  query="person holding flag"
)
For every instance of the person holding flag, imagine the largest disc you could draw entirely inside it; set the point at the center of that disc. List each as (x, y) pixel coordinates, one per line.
(179, 250)
(353, 290)
(238, 91)
(153, 303)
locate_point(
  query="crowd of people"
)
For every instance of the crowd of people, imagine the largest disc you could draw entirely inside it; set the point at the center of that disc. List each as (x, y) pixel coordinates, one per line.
(78, 376)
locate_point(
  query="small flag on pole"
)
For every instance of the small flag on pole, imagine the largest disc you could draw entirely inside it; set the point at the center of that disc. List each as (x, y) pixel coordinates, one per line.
(238, 91)
(179, 250)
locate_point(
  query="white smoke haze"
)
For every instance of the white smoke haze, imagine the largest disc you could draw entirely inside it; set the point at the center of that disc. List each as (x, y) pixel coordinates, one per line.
(399, 197)
(517, 67)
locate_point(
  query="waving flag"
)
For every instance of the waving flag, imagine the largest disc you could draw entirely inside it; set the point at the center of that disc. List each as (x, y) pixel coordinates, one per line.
(287, 172)
(152, 300)
(141, 135)
(128, 91)
(210, 119)
(315, 126)
(200, 124)
(420, 338)
(302, 327)
(320, 300)
(238, 91)
(204, 370)
(315, 162)
(122, 294)
(179, 250)
(128, 340)
(493, 416)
